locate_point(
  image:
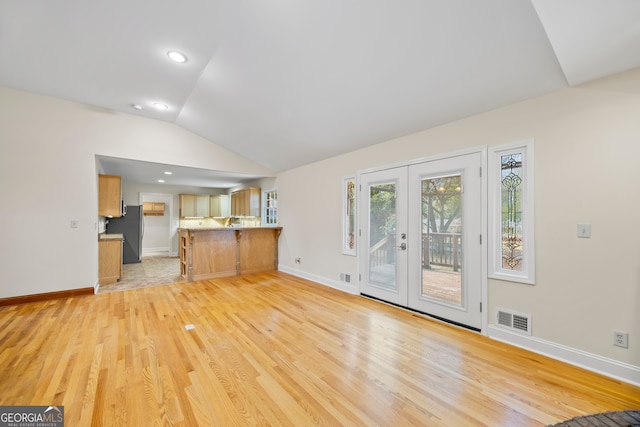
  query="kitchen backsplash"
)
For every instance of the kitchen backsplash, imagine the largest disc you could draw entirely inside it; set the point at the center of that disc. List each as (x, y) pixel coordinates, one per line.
(219, 222)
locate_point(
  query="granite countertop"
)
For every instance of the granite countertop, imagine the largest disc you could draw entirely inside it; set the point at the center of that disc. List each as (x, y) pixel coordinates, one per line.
(105, 236)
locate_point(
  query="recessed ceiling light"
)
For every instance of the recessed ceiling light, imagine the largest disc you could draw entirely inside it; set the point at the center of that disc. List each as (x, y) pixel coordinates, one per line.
(161, 180)
(160, 106)
(136, 107)
(168, 173)
(177, 56)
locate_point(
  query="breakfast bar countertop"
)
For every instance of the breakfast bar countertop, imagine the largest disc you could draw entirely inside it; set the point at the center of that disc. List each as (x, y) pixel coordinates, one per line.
(105, 236)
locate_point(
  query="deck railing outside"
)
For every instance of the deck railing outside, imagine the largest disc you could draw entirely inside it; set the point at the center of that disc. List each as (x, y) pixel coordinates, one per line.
(439, 250)
(442, 250)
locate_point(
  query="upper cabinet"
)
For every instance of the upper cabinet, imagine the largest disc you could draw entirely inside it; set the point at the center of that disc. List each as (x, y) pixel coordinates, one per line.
(220, 206)
(109, 196)
(153, 208)
(194, 206)
(245, 202)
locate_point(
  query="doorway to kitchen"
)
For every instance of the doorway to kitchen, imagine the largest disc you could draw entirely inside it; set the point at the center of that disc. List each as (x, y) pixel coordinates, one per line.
(420, 237)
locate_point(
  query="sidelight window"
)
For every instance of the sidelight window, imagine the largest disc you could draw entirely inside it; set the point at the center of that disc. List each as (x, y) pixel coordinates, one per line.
(511, 254)
(349, 216)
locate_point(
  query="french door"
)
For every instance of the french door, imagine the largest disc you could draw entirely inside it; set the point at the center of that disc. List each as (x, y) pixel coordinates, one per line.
(420, 244)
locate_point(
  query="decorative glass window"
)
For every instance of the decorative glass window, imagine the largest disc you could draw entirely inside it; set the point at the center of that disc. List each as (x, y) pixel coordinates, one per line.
(270, 207)
(349, 216)
(511, 253)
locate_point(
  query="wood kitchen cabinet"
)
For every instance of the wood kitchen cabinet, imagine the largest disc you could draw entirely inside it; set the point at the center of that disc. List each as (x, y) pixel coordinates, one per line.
(194, 206)
(109, 196)
(220, 206)
(109, 260)
(153, 208)
(245, 202)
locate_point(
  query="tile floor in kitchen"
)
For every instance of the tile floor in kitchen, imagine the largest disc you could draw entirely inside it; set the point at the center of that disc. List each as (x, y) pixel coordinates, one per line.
(152, 271)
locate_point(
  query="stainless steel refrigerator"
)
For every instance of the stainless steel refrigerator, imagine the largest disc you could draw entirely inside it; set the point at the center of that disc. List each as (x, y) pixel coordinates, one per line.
(131, 226)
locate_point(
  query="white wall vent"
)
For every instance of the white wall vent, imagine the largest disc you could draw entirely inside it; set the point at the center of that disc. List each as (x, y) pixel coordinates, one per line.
(517, 322)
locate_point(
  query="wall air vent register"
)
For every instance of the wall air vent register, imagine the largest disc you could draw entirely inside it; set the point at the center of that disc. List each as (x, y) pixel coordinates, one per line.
(517, 322)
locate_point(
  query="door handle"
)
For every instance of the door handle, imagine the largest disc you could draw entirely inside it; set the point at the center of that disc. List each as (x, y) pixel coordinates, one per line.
(403, 246)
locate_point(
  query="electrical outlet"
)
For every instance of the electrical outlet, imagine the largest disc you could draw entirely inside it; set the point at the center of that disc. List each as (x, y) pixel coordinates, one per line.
(621, 339)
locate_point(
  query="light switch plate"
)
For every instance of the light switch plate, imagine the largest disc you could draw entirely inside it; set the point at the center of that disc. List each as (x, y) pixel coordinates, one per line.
(584, 231)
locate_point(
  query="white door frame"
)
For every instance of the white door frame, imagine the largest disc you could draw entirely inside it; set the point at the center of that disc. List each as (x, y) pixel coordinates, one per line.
(484, 216)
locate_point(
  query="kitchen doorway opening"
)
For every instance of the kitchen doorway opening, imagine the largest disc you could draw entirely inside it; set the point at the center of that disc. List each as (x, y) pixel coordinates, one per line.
(160, 229)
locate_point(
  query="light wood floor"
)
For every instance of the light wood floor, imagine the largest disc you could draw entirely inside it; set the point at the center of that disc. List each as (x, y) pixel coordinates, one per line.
(272, 349)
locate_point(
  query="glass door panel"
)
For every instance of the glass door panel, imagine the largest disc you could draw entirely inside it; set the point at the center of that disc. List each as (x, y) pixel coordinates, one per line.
(382, 229)
(442, 239)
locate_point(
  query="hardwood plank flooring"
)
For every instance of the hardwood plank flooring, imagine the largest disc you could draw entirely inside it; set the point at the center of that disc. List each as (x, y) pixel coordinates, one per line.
(275, 350)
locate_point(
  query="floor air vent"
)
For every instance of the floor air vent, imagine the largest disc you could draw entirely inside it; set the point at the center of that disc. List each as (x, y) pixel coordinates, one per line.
(517, 322)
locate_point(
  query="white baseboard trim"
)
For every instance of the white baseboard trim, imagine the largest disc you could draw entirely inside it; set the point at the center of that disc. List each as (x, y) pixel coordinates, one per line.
(96, 287)
(156, 251)
(592, 362)
(336, 284)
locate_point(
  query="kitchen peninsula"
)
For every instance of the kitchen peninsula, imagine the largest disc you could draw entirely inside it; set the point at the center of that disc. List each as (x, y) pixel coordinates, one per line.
(207, 253)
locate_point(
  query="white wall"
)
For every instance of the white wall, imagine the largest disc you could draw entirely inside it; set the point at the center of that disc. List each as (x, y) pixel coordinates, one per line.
(48, 177)
(586, 170)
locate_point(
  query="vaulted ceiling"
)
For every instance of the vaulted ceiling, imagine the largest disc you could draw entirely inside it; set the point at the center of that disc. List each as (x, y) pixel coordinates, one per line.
(288, 82)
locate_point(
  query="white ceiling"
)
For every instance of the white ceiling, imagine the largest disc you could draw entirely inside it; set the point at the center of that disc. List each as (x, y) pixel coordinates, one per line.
(152, 173)
(289, 82)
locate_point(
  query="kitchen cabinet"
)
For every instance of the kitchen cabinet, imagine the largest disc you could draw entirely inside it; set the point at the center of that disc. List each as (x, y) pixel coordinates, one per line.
(109, 196)
(153, 208)
(246, 202)
(194, 206)
(220, 206)
(109, 260)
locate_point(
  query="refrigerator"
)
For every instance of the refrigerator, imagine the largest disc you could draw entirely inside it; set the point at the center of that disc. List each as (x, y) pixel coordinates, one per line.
(131, 226)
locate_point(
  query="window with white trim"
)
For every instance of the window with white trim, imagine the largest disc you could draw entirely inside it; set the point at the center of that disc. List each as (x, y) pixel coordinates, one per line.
(512, 250)
(270, 207)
